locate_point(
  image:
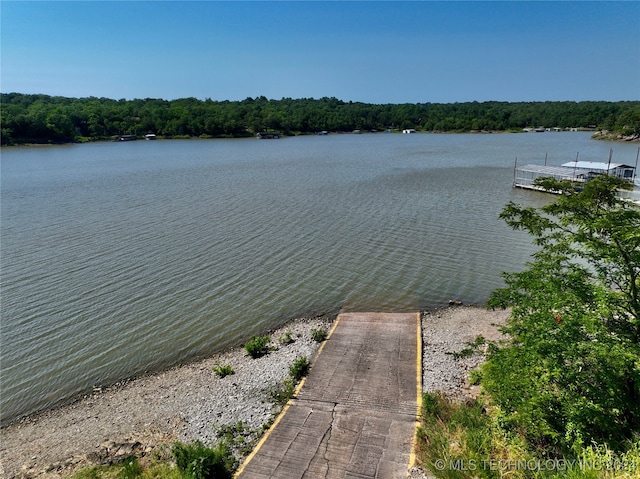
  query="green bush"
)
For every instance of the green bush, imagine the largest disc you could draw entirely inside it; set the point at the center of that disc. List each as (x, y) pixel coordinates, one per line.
(257, 346)
(223, 370)
(286, 338)
(319, 334)
(196, 461)
(281, 393)
(299, 368)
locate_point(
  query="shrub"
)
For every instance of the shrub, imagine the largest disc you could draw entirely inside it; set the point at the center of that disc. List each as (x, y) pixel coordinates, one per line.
(286, 338)
(257, 346)
(299, 368)
(196, 461)
(319, 334)
(239, 437)
(281, 393)
(223, 370)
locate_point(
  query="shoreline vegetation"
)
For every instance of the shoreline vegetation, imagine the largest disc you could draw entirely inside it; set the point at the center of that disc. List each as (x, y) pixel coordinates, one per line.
(43, 119)
(197, 401)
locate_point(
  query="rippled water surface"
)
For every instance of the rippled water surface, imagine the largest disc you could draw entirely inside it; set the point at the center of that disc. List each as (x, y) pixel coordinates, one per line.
(120, 258)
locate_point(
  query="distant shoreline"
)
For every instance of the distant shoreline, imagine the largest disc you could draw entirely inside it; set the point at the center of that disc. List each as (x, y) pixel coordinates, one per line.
(598, 135)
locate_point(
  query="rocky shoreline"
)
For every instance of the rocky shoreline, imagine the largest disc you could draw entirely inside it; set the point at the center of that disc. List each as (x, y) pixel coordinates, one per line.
(616, 136)
(191, 402)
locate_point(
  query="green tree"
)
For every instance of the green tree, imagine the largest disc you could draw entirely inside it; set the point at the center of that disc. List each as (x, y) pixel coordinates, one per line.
(569, 374)
(42, 118)
(629, 121)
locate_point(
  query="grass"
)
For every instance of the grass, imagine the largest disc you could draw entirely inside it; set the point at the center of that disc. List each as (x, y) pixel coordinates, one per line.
(466, 440)
(282, 392)
(240, 438)
(196, 461)
(286, 338)
(131, 468)
(223, 370)
(258, 346)
(299, 368)
(319, 334)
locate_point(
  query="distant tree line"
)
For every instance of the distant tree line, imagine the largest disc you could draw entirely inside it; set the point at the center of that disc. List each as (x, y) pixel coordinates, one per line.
(51, 119)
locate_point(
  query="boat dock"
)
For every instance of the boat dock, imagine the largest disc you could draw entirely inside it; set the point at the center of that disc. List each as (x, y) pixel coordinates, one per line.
(268, 135)
(355, 415)
(577, 173)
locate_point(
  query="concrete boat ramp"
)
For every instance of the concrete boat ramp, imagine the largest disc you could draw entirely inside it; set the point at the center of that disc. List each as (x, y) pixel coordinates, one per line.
(355, 415)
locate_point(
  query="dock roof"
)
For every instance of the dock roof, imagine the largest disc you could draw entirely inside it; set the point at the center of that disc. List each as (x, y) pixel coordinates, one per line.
(594, 165)
(552, 170)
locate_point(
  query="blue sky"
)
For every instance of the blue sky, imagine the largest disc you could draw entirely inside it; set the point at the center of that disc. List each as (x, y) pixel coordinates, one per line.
(376, 52)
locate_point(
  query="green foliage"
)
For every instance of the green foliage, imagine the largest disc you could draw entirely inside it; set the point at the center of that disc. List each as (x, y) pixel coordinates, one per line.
(286, 338)
(471, 349)
(87, 473)
(299, 368)
(475, 377)
(223, 370)
(47, 119)
(629, 121)
(463, 440)
(258, 346)
(570, 373)
(196, 461)
(130, 468)
(239, 438)
(319, 334)
(454, 434)
(281, 393)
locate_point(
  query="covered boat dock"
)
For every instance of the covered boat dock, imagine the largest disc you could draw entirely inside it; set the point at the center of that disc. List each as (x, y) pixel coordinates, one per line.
(525, 176)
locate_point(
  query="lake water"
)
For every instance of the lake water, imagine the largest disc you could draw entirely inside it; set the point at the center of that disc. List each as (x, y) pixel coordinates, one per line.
(121, 258)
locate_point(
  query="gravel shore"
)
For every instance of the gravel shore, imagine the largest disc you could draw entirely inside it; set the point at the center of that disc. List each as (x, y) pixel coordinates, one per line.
(191, 402)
